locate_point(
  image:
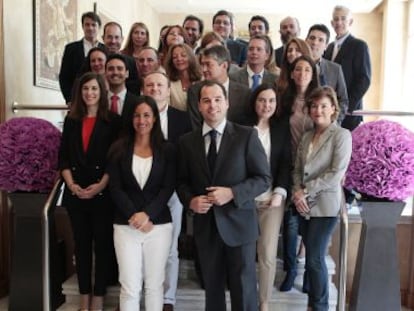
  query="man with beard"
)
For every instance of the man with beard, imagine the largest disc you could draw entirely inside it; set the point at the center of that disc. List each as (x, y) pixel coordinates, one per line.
(121, 101)
(289, 28)
(112, 38)
(194, 27)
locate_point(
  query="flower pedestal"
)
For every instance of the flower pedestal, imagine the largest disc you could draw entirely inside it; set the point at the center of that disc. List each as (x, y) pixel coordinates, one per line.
(26, 277)
(376, 284)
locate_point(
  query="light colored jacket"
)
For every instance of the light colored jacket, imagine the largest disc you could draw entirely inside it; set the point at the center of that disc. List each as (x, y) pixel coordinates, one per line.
(322, 171)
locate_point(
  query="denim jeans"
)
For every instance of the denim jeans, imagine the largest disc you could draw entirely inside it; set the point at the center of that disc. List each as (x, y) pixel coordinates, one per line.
(290, 237)
(317, 232)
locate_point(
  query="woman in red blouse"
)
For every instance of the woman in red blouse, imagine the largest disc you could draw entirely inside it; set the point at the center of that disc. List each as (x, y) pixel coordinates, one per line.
(88, 132)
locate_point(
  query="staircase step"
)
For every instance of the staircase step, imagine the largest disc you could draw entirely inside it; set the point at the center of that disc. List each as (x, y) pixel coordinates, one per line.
(190, 297)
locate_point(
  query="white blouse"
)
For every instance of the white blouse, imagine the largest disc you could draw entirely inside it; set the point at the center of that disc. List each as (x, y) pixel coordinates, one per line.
(141, 168)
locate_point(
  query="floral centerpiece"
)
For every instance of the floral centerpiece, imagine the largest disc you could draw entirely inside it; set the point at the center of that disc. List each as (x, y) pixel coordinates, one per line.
(28, 154)
(382, 162)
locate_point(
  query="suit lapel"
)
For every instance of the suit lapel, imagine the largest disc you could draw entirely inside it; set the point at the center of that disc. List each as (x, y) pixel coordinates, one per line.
(200, 151)
(343, 50)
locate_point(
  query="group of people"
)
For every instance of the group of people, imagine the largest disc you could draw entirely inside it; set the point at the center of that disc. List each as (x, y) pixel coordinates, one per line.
(247, 139)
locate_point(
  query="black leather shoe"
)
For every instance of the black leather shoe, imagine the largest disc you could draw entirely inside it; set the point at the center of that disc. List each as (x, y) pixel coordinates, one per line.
(305, 285)
(168, 307)
(288, 282)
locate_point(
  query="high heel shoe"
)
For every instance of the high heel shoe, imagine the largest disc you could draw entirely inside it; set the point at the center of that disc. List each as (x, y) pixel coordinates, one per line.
(288, 282)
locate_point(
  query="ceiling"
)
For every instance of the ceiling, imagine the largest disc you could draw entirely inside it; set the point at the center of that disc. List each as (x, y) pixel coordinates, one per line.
(259, 7)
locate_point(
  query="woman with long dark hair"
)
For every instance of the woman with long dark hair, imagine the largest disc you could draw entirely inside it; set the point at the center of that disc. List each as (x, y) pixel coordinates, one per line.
(88, 132)
(303, 79)
(142, 174)
(274, 134)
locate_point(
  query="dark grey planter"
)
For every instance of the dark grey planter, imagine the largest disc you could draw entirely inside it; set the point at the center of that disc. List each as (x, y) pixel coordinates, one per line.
(26, 292)
(376, 284)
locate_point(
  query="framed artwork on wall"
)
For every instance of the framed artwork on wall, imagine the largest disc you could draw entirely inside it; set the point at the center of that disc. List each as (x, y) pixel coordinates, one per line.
(55, 25)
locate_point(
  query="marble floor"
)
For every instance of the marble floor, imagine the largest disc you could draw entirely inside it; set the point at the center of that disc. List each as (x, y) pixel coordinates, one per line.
(3, 305)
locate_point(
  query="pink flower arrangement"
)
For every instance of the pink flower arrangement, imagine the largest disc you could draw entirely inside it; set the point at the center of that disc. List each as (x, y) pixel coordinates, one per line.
(382, 162)
(28, 154)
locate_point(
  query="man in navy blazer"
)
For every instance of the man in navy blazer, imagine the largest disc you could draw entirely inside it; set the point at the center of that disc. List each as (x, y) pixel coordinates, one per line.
(215, 63)
(353, 56)
(219, 187)
(329, 72)
(75, 53)
(174, 123)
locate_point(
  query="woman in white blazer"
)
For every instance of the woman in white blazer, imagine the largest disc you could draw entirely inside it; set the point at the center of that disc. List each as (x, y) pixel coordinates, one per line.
(321, 162)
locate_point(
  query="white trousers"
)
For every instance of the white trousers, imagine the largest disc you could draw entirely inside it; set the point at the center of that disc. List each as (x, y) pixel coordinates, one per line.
(142, 258)
(171, 271)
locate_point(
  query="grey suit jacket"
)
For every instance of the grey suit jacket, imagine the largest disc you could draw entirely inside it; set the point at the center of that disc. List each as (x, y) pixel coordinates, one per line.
(321, 171)
(242, 77)
(241, 164)
(239, 109)
(331, 74)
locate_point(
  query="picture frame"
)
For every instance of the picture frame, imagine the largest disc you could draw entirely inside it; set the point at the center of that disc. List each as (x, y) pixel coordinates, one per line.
(55, 25)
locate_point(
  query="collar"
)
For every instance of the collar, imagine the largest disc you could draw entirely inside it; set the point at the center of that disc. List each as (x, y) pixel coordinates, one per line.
(163, 114)
(220, 128)
(121, 94)
(341, 40)
(250, 72)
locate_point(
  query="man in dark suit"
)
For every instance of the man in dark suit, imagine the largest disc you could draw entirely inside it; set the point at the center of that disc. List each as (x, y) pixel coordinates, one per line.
(174, 123)
(120, 99)
(223, 24)
(75, 53)
(353, 56)
(289, 28)
(112, 38)
(219, 187)
(254, 73)
(215, 63)
(329, 72)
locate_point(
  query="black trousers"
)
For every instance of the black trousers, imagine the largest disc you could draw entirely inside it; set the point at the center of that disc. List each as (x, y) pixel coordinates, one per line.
(221, 265)
(92, 226)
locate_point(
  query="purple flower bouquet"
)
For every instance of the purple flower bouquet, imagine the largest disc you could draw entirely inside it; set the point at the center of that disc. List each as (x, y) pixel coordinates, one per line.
(382, 162)
(28, 154)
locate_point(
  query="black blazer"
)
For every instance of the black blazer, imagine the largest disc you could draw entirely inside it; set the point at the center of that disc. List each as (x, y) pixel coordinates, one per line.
(279, 55)
(133, 82)
(281, 162)
(353, 56)
(86, 167)
(178, 124)
(241, 164)
(127, 108)
(130, 198)
(72, 61)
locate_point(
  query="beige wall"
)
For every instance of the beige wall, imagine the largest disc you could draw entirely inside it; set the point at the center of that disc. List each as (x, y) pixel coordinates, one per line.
(368, 27)
(19, 49)
(376, 28)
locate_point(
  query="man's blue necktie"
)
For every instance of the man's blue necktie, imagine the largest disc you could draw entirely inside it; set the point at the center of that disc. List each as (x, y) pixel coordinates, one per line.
(256, 81)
